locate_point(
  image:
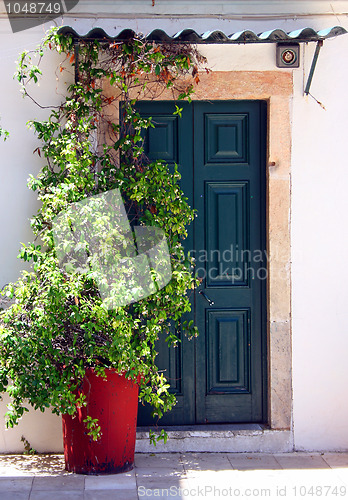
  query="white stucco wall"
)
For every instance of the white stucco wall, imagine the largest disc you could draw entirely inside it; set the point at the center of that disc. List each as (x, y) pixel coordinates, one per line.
(319, 245)
(319, 211)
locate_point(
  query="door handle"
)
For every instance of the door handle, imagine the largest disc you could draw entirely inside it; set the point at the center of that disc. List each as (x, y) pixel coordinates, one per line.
(211, 302)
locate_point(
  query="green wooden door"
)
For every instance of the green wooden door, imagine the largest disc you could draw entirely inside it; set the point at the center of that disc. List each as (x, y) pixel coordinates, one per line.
(220, 149)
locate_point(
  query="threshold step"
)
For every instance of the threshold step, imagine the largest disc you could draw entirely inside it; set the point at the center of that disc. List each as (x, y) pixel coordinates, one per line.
(230, 438)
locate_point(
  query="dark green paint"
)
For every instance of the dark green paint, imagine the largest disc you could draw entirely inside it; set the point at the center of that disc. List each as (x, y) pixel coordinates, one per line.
(220, 377)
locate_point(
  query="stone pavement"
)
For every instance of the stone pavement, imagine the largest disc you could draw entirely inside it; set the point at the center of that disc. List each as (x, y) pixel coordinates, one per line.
(181, 475)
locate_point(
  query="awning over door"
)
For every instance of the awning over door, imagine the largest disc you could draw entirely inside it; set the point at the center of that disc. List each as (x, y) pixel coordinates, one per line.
(278, 36)
(190, 35)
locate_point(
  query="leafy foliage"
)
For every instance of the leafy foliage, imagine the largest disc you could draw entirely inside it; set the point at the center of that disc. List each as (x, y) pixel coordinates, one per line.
(4, 133)
(58, 325)
(28, 450)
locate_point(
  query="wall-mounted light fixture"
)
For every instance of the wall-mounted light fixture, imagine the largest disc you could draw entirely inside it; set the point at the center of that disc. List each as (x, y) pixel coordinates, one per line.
(288, 55)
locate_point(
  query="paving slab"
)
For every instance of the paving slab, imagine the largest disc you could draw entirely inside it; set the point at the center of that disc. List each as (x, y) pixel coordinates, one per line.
(186, 476)
(70, 483)
(252, 461)
(314, 476)
(55, 495)
(16, 483)
(160, 478)
(14, 495)
(342, 474)
(301, 461)
(110, 495)
(160, 460)
(40, 465)
(161, 487)
(124, 481)
(159, 472)
(231, 484)
(236, 483)
(167, 493)
(336, 460)
(205, 461)
(344, 479)
(210, 477)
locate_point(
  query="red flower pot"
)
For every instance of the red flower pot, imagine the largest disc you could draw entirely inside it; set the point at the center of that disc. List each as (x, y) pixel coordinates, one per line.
(114, 402)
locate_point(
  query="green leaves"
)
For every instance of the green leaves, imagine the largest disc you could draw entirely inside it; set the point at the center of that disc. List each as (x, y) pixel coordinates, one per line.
(94, 430)
(157, 437)
(58, 325)
(4, 133)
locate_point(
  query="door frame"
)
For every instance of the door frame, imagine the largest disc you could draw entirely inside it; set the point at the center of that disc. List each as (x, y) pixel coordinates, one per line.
(276, 87)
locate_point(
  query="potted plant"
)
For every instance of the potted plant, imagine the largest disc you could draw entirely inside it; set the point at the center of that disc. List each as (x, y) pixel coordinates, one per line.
(62, 345)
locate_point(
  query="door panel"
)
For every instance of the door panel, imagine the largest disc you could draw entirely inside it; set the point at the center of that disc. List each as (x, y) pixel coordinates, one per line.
(228, 337)
(226, 138)
(220, 149)
(166, 142)
(228, 188)
(226, 243)
(162, 141)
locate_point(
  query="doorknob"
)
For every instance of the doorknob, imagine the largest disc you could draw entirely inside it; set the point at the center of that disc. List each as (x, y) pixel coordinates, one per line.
(211, 302)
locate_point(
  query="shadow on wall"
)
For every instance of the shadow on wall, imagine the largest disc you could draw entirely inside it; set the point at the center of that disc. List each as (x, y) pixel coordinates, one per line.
(42, 430)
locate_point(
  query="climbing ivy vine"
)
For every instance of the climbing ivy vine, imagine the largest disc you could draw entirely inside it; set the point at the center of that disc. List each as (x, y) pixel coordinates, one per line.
(58, 326)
